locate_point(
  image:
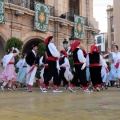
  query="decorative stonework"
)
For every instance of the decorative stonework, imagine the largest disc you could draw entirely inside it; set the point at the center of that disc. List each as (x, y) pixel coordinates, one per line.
(1, 11)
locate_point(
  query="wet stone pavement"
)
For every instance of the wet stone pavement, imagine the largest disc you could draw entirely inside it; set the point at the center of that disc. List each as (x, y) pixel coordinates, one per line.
(21, 105)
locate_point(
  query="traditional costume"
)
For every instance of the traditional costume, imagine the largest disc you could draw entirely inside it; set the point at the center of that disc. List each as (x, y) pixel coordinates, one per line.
(32, 61)
(21, 76)
(115, 67)
(53, 56)
(105, 74)
(79, 65)
(43, 73)
(9, 75)
(94, 62)
(65, 73)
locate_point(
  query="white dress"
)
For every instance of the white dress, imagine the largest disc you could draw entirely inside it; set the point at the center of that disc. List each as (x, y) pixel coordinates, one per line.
(105, 72)
(21, 76)
(115, 71)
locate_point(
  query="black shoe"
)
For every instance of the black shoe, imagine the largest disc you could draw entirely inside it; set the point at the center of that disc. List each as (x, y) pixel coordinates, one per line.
(106, 87)
(29, 90)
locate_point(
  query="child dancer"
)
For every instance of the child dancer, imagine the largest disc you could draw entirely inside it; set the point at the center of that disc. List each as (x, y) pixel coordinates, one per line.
(65, 73)
(53, 56)
(32, 61)
(115, 65)
(80, 66)
(22, 65)
(9, 75)
(94, 62)
(105, 74)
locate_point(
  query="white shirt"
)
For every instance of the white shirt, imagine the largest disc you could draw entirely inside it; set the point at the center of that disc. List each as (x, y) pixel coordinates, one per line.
(40, 61)
(20, 63)
(34, 53)
(53, 50)
(66, 63)
(81, 57)
(115, 57)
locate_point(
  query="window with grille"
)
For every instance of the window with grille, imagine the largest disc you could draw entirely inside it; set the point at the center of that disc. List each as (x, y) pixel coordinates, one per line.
(74, 6)
(32, 3)
(25, 3)
(73, 9)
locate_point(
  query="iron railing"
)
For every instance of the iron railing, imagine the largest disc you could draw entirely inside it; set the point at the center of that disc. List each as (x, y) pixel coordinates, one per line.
(28, 4)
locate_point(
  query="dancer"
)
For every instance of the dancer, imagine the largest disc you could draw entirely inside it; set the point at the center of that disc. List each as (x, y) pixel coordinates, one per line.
(65, 73)
(115, 65)
(53, 56)
(44, 62)
(22, 65)
(94, 62)
(80, 66)
(9, 75)
(32, 61)
(105, 74)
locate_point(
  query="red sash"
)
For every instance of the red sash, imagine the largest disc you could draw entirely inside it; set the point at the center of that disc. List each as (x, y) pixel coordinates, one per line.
(32, 68)
(77, 63)
(94, 64)
(10, 63)
(51, 58)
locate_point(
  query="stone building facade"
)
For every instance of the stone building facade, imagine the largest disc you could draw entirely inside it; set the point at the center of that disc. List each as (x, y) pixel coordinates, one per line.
(110, 30)
(22, 26)
(116, 16)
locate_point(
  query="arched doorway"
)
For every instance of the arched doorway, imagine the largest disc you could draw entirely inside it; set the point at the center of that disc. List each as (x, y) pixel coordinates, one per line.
(28, 46)
(2, 51)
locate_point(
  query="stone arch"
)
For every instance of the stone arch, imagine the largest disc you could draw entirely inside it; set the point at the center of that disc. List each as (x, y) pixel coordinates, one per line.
(28, 44)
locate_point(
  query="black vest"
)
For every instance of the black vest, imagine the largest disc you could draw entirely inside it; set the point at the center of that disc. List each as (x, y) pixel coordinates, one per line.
(61, 61)
(94, 58)
(48, 51)
(75, 56)
(44, 60)
(32, 59)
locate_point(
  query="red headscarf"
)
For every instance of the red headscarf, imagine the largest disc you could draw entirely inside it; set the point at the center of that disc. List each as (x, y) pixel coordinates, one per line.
(93, 48)
(75, 44)
(47, 40)
(64, 52)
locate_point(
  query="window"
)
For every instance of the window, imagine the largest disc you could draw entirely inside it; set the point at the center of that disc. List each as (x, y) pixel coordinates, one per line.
(99, 40)
(25, 3)
(32, 3)
(99, 48)
(73, 9)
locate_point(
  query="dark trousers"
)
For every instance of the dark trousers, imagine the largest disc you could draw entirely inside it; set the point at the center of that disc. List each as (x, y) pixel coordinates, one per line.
(95, 73)
(45, 73)
(52, 72)
(62, 77)
(79, 74)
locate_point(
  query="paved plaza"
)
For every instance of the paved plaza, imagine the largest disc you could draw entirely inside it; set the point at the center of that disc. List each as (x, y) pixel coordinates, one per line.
(21, 105)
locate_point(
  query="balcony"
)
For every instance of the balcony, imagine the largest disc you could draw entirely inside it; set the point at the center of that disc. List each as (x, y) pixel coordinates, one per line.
(28, 5)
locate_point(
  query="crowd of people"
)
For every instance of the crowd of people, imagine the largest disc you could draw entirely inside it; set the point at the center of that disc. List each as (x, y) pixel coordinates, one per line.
(90, 69)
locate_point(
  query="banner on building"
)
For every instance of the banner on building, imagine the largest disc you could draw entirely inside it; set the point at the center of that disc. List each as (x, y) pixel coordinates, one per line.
(79, 31)
(1, 11)
(42, 12)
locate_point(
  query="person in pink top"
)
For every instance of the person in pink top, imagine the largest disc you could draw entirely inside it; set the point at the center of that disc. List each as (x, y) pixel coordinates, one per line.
(8, 74)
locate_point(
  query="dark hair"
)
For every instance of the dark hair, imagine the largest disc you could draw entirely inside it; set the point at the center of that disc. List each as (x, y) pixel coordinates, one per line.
(23, 55)
(116, 46)
(34, 46)
(9, 50)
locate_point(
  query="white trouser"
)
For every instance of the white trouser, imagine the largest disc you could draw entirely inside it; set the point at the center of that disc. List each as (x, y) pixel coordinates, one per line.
(31, 76)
